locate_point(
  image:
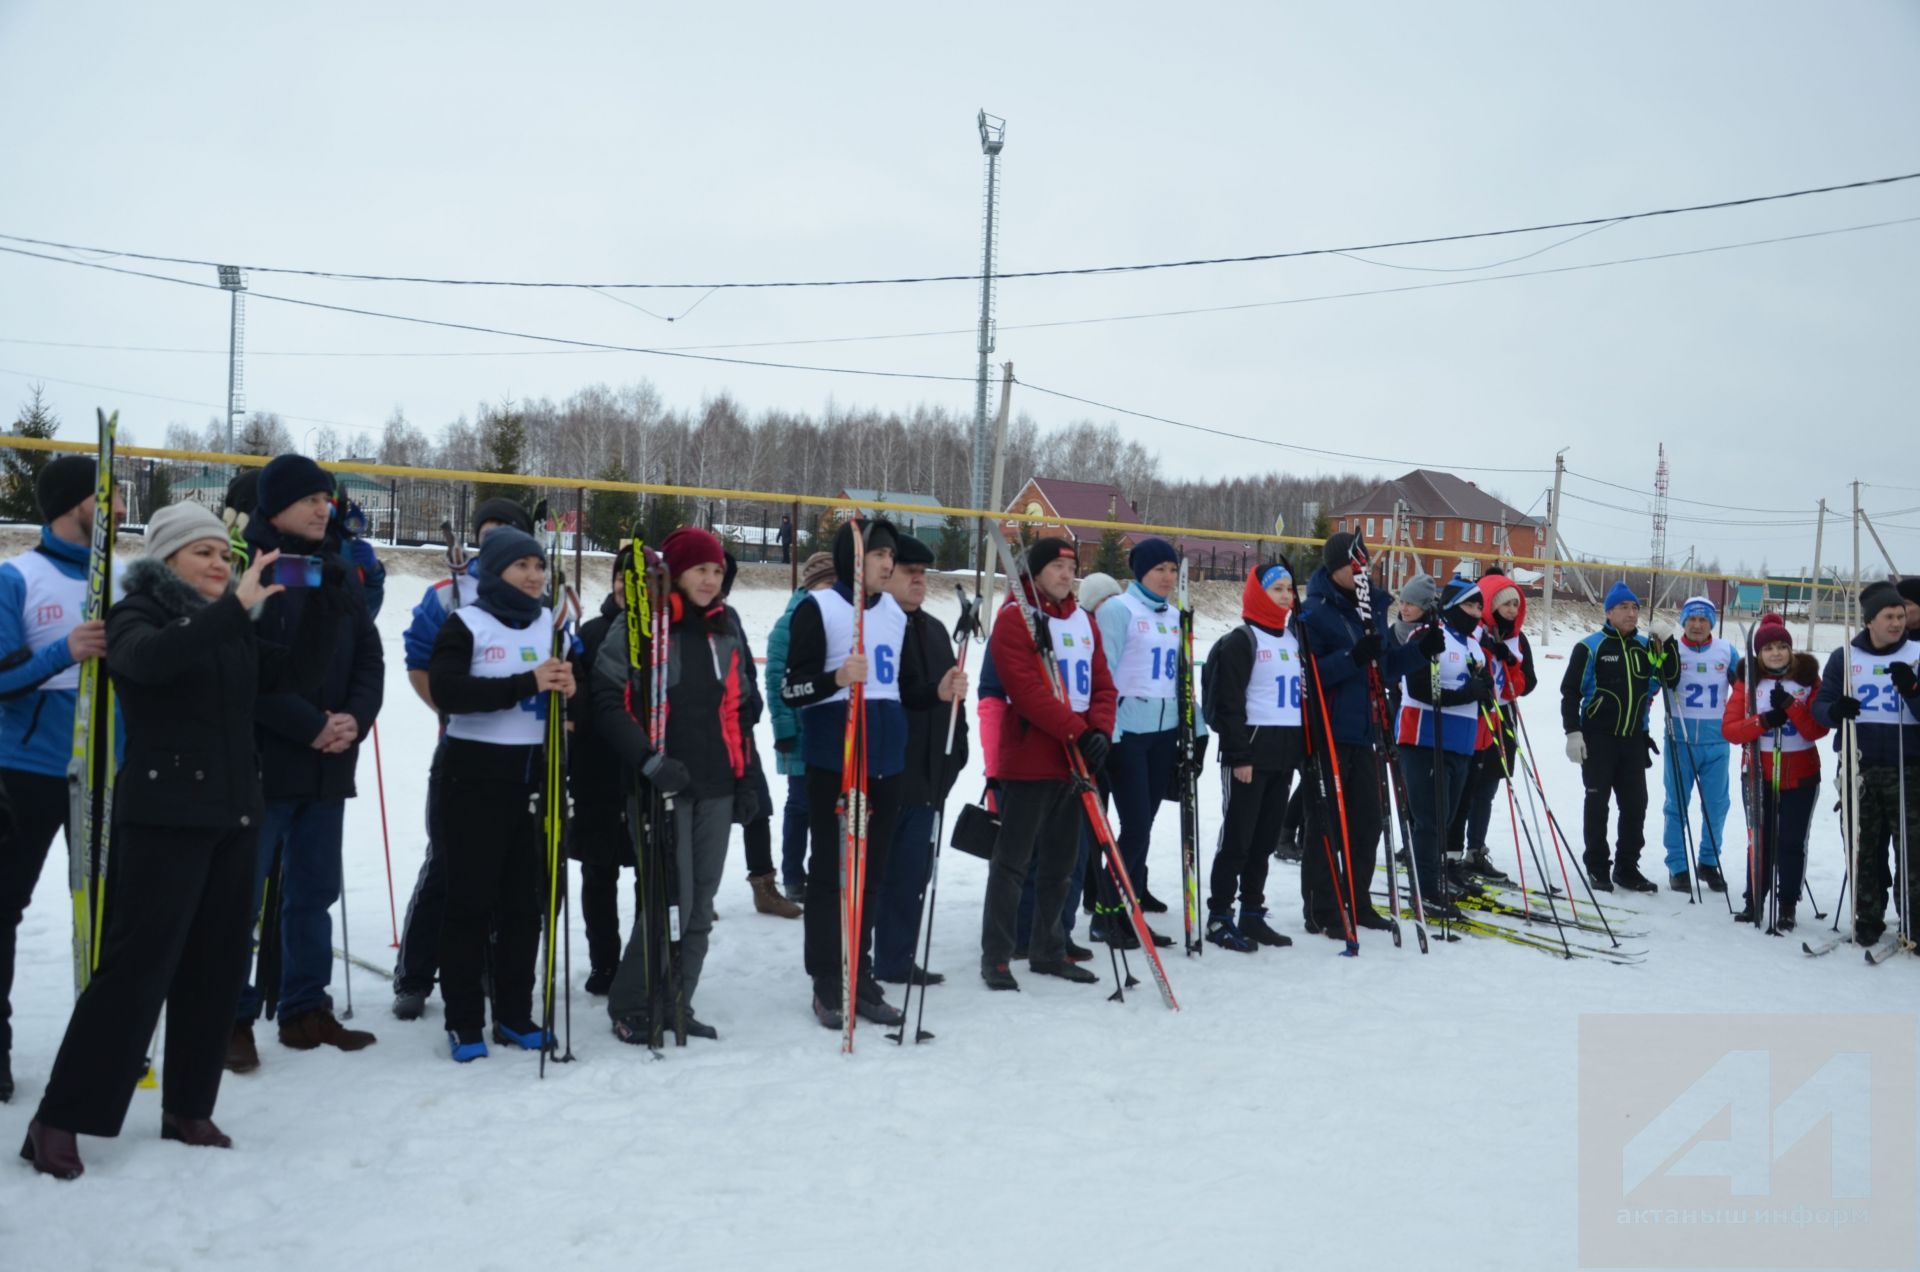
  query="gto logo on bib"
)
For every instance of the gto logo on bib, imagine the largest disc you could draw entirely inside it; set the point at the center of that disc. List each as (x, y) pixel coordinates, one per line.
(52, 612)
(492, 654)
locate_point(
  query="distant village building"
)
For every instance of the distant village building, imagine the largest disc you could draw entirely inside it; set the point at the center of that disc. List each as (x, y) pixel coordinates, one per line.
(1430, 515)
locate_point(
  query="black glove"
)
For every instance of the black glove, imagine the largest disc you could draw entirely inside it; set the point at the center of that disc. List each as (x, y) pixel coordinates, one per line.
(1432, 642)
(1093, 746)
(1481, 687)
(1498, 651)
(1780, 700)
(746, 805)
(1366, 649)
(785, 746)
(1653, 748)
(1043, 633)
(1200, 752)
(333, 574)
(1845, 708)
(1903, 679)
(668, 776)
(1774, 719)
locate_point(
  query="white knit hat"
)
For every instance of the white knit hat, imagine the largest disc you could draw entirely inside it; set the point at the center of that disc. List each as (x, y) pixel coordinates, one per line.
(176, 525)
(1096, 588)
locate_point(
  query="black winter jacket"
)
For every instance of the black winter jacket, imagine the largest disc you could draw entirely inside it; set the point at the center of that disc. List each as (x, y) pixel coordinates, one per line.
(930, 772)
(353, 682)
(1229, 668)
(188, 674)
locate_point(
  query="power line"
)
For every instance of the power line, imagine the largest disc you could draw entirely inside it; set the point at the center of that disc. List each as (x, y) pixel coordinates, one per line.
(1293, 254)
(1601, 481)
(964, 331)
(161, 397)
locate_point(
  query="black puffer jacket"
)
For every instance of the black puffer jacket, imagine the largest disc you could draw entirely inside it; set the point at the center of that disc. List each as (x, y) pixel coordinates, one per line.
(353, 682)
(188, 672)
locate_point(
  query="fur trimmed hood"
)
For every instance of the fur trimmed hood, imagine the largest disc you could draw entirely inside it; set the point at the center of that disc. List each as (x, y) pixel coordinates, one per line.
(150, 577)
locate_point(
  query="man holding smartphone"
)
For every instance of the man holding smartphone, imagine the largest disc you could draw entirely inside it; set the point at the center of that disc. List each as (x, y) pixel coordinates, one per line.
(309, 745)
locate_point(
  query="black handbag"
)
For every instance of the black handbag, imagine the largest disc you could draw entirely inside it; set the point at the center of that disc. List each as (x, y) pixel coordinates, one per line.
(975, 831)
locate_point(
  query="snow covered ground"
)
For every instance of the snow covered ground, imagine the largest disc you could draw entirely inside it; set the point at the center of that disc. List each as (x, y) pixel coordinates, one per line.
(1301, 1110)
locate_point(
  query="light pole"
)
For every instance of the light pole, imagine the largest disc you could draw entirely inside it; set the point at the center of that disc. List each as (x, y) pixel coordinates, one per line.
(993, 136)
(236, 287)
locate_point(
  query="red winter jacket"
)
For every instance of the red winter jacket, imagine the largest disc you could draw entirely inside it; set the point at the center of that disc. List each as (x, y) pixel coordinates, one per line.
(1740, 728)
(1039, 727)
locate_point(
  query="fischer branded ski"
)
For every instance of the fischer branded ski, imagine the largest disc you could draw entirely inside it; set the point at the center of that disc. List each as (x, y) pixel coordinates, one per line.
(644, 588)
(1188, 775)
(90, 771)
(1021, 586)
(853, 806)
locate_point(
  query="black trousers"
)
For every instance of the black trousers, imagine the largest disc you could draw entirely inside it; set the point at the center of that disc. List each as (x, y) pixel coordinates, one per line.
(1360, 784)
(758, 833)
(419, 958)
(822, 917)
(496, 868)
(179, 930)
(1616, 772)
(600, 899)
(1039, 826)
(1788, 851)
(1251, 816)
(39, 810)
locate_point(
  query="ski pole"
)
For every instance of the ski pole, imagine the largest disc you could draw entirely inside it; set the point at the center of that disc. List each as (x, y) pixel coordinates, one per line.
(1680, 788)
(346, 948)
(386, 844)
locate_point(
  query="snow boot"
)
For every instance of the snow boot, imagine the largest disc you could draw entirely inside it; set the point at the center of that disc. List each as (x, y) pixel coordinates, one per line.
(1630, 878)
(194, 1132)
(1289, 849)
(52, 1151)
(1785, 922)
(1482, 865)
(466, 1045)
(1373, 919)
(319, 1028)
(767, 898)
(1065, 970)
(1077, 953)
(409, 1004)
(697, 1028)
(634, 1030)
(600, 980)
(999, 976)
(1150, 903)
(916, 975)
(1599, 880)
(1254, 923)
(1683, 882)
(242, 1055)
(527, 1037)
(870, 1003)
(1711, 876)
(1222, 932)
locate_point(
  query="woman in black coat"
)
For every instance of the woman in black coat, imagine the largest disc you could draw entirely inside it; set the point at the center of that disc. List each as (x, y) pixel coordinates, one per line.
(186, 667)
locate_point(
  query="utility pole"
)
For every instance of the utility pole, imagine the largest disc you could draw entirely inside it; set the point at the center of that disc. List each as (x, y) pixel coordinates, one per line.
(236, 287)
(1813, 594)
(1845, 636)
(1892, 569)
(993, 136)
(999, 475)
(1551, 547)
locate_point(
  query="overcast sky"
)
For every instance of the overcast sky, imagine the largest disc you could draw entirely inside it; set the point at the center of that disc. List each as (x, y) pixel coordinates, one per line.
(626, 142)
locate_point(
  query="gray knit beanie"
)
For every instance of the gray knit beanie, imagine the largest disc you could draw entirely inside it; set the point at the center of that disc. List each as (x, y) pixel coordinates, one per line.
(176, 525)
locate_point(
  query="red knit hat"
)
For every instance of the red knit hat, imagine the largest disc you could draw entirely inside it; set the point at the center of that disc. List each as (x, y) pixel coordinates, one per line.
(690, 546)
(1771, 631)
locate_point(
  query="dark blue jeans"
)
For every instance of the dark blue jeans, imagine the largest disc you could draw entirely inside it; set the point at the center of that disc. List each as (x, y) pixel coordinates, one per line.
(793, 833)
(306, 833)
(1140, 770)
(1432, 813)
(896, 906)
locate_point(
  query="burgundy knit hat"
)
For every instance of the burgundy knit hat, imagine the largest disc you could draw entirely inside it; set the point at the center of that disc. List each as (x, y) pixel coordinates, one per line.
(1772, 630)
(690, 546)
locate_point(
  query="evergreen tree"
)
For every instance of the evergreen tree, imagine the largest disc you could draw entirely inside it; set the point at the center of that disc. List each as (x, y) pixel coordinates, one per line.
(955, 535)
(1322, 528)
(611, 514)
(1110, 559)
(20, 469)
(503, 440)
(159, 490)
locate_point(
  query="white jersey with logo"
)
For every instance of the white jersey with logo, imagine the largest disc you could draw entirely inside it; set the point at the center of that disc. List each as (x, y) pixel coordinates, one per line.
(51, 608)
(1073, 650)
(1880, 702)
(1790, 739)
(1705, 677)
(884, 632)
(1273, 690)
(1458, 661)
(500, 651)
(1150, 660)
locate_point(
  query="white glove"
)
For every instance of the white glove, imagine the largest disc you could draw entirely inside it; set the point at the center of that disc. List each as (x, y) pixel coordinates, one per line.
(1662, 630)
(1577, 748)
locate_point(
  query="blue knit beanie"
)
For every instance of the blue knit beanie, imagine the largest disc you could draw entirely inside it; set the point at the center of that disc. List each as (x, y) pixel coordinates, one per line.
(1148, 553)
(1457, 590)
(1620, 594)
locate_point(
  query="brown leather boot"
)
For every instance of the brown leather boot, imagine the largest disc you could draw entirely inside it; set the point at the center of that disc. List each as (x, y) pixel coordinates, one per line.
(196, 1132)
(767, 898)
(242, 1055)
(318, 1028)
(52, 1151)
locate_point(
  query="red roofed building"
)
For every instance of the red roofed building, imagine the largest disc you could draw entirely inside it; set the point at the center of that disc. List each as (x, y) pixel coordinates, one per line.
(1067, 507)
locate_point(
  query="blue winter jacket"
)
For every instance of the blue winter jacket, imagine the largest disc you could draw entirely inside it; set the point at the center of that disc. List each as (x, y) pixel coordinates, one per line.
(36, 726)
(428, 617)
(1329, 626)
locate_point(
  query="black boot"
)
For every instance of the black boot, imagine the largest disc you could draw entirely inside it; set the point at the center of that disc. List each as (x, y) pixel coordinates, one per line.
(1480, 864)
(1630, 878)
(1683, 882)
(1599, 880)
(999, 976)
(6, 1077)
(600, 981)
(1064, 970)
(1151, 904)
(1711, 876)
(1253, 923)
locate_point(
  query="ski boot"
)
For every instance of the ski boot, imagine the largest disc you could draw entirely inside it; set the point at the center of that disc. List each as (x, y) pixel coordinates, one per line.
(1711, 876)
(466, 1045)
(1222, 932)
(1630, 878)
(1254, 923)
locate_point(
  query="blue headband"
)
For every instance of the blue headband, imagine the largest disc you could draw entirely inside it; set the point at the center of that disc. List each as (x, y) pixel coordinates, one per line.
(1273, 574)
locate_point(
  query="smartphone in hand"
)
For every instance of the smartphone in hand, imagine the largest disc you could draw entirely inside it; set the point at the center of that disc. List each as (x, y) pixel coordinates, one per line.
(296, 571)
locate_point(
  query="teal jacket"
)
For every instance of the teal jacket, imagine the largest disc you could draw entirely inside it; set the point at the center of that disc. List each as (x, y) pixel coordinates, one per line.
(786, 721)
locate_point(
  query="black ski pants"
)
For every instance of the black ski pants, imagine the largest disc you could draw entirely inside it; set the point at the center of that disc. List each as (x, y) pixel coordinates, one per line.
(40, 808)
(1361, 784)
(496, 867)
(419, 958)
(1616, 772)
(1781, 844)
(1251, 814)
(179, 929)
(1039, 827)
(822, 917)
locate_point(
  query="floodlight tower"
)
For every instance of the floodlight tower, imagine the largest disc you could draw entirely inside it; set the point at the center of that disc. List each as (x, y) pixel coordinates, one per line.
(993, 136)
(236, 287)
(1659, 528)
